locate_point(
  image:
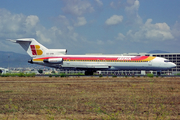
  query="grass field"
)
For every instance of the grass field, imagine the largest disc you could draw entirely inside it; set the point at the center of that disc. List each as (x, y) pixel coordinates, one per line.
(89, 98)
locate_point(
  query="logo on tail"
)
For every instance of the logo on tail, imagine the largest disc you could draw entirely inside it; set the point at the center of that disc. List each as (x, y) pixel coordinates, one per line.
(36, 50)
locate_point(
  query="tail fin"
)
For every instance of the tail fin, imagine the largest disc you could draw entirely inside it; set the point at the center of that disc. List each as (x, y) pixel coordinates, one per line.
(33, 48)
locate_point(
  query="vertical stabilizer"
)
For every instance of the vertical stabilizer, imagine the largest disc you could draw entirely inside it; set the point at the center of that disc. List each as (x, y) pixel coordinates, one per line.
(33, 48)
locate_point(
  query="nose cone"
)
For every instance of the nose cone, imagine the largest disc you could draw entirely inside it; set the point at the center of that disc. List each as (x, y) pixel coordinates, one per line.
(173, 65)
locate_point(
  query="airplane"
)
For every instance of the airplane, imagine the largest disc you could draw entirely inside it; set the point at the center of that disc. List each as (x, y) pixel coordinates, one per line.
(4, 70)
(58, 58)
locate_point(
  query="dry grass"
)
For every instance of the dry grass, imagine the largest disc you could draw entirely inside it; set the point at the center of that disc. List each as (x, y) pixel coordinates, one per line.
(89, 98)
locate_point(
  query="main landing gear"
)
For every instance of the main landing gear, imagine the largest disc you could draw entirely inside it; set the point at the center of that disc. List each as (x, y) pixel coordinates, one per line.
(159, 73)
(88, 72)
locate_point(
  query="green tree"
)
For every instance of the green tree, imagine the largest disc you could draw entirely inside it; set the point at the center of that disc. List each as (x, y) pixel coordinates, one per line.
(40, 71)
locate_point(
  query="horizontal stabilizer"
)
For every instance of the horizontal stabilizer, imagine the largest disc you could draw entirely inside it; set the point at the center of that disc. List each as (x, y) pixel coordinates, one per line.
(21, 40)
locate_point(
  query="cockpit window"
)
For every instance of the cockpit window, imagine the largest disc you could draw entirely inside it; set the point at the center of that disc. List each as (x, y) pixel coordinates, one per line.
(166, 61)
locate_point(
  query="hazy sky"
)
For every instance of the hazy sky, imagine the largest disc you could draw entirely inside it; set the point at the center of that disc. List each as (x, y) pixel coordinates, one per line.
(92, 26)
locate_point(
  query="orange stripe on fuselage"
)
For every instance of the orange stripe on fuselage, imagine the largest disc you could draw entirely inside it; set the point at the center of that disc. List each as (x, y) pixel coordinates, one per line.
(149, 58)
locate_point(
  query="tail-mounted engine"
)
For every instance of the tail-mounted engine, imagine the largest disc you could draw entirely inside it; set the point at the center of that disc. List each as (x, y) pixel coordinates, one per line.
(54, 60)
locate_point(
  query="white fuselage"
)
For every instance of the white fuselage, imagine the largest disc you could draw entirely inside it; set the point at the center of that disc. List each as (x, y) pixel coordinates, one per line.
(87, 62)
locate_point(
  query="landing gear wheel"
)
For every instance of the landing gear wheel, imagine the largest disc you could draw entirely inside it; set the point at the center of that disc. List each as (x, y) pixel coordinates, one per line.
(159, 73)
(88, 72)
(91, 72)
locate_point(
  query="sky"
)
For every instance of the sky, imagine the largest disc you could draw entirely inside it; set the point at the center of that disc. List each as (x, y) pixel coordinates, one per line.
(92, 26)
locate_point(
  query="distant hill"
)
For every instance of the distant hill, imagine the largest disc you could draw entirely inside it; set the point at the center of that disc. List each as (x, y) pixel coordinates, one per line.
(157, 51)
(12, 59)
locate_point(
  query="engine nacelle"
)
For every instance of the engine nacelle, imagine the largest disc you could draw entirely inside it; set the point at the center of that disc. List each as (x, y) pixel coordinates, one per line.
(54, 60)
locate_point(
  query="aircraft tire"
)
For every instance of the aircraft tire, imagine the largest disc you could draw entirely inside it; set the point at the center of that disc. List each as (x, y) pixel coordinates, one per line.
(88, 72)
(159, 73)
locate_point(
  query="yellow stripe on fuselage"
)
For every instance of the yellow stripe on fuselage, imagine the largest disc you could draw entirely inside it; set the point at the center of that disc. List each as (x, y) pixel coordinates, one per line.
(149, 58)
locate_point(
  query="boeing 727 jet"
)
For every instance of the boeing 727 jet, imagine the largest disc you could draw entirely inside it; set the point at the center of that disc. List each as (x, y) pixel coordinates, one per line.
(57, 58)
